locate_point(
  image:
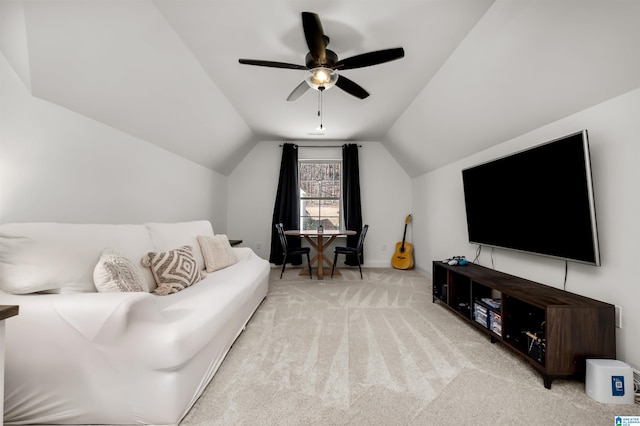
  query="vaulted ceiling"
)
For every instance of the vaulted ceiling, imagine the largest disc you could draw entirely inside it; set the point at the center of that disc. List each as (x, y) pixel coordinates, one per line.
(475, 72)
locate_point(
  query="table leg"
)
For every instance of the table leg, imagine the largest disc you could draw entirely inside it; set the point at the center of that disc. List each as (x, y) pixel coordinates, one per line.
(319, 258)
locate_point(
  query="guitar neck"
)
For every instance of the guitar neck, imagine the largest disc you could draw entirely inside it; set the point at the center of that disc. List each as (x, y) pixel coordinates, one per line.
(404, 236)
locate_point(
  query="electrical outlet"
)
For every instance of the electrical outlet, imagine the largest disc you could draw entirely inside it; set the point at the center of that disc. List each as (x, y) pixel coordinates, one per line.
(618, 316)
(259, 245)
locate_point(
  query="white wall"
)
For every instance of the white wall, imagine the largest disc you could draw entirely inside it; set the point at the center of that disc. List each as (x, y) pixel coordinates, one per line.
(440, 224)
(57, 165)
(385, 190)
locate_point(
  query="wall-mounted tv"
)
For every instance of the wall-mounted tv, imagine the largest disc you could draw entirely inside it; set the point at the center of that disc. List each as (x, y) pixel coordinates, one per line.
(539, 201)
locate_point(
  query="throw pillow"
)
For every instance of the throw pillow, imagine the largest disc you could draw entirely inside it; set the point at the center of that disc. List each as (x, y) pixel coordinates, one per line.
(173, 270)
(114, 272)
(217, 252)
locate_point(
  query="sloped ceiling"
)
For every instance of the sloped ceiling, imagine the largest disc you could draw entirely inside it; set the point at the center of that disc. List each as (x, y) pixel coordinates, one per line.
(475, 72)
(524, 65)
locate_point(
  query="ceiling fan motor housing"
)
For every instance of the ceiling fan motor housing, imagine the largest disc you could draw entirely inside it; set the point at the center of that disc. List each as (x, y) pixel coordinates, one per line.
(330, 59)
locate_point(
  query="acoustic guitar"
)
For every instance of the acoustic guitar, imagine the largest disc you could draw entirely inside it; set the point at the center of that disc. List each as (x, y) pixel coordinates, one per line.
(403, 257)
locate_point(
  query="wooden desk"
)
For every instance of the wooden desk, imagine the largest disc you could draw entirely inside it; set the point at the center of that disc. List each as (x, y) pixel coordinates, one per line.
(319, 246)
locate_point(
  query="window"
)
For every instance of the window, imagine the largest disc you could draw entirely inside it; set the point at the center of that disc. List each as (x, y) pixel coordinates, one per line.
(320, 193)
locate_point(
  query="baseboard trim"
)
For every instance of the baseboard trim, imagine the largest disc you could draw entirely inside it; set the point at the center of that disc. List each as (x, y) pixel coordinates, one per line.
(374, 264)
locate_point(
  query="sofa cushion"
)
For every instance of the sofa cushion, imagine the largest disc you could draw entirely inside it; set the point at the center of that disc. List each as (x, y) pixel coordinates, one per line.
(60, 257)
(114, 272)
(167, 236)
(217, 252)
(173, 270)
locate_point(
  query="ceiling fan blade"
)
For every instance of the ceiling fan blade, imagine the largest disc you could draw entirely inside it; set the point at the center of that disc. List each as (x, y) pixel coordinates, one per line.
(351, 88)
(271, 64)
(371, 58)
(314, 34)
(300, 90)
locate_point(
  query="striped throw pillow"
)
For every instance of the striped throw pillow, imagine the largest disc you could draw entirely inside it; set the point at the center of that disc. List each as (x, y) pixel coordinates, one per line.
(173, 270)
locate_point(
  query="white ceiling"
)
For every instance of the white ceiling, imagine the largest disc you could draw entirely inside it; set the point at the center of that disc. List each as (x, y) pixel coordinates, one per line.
(475, 72)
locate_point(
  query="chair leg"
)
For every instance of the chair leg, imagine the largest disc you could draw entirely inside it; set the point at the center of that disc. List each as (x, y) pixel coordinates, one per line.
(335, 259)
(309, 263)
(284, 265)
(358, 257)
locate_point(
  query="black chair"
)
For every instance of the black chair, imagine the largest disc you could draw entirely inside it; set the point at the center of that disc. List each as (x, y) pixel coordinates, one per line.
(287, 251)
(351, 250)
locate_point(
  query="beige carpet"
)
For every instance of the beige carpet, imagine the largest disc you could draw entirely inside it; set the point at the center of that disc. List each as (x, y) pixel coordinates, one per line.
(378, 352)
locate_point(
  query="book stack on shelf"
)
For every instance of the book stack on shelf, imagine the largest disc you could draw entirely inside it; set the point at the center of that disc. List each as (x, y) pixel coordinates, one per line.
(495, 322)
(481, 314)
(486, 311)
(495, 318)
(492, 303)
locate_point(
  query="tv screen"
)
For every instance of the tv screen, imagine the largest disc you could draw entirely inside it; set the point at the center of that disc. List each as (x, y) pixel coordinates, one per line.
(539, 200)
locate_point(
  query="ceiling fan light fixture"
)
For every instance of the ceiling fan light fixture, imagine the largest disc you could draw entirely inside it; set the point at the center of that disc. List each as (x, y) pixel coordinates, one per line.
(321, 78)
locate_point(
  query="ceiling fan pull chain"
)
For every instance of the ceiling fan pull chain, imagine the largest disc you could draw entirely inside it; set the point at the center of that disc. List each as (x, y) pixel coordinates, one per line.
(320, 108)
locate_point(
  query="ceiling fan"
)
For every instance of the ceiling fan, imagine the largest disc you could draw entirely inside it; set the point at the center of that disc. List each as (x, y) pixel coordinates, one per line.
(323, 65)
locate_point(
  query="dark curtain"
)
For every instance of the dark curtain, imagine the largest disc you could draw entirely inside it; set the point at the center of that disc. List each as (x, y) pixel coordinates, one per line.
(287, 208)
(351, 198)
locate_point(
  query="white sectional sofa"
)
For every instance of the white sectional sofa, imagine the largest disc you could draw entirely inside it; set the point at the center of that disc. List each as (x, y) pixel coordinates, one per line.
(78, 356)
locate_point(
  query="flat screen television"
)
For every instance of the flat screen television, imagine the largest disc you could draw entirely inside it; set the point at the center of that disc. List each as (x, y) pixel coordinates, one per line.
(539, 201)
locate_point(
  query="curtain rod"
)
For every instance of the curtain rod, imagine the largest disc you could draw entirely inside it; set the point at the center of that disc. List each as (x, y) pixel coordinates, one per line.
(319, 146)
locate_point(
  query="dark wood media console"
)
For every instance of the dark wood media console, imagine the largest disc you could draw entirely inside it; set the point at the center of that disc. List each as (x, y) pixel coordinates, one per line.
(554, 330)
